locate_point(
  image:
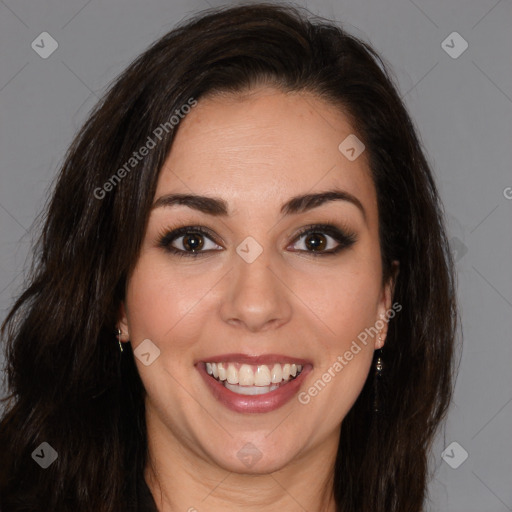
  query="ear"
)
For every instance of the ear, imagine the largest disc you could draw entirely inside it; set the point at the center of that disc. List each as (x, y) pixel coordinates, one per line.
(384, 308)
(122, 323)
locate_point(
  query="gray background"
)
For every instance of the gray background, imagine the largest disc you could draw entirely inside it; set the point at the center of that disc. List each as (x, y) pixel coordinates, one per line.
(462, 108)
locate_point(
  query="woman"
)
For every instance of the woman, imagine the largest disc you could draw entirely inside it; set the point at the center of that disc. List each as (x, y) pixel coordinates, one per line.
(241, 226)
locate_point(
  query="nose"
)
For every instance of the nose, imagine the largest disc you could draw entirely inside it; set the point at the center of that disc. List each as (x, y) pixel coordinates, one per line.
(256, 298)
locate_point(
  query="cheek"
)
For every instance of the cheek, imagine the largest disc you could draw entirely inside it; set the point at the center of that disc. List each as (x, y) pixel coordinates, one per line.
(158, 299)
(345, 349)
(344, 302)
(350, 339)
(336, 388)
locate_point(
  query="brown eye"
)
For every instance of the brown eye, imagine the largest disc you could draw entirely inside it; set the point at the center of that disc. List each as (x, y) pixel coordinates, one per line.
(324, 239)
(315, 241)
(193, 242)
(318, 240)
(189, 241)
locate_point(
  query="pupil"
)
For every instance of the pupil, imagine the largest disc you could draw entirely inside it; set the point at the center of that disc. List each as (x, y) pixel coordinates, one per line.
(315, 241)
(192, 242)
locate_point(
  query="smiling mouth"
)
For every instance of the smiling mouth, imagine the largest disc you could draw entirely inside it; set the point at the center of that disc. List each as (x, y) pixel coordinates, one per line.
(247, 379)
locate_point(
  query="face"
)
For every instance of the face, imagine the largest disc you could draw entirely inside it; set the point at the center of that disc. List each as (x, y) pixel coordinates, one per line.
(267, 286)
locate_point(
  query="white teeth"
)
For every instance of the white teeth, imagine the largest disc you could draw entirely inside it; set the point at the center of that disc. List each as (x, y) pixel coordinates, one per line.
(277, 374)
(245, 376)
(232, 375)
(222, 371)
(253, 376)
(250, 390)
(262, 376)
(286, 371)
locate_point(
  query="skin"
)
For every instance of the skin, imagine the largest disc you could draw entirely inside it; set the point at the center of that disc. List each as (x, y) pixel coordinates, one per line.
(255, 150)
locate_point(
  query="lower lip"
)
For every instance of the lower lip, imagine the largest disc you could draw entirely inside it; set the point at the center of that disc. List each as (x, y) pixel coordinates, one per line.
(254, 403)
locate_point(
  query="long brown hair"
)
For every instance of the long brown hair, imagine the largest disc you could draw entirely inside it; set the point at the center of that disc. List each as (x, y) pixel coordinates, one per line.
(68, 383)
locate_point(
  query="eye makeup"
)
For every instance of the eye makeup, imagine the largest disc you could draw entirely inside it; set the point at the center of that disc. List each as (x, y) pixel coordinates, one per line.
(344, 238)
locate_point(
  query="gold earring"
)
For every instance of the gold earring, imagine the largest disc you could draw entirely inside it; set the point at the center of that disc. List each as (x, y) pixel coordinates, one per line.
(119, 338)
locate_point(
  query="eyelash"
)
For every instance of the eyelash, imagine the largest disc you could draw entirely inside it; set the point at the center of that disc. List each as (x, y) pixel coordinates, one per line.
(345, 239)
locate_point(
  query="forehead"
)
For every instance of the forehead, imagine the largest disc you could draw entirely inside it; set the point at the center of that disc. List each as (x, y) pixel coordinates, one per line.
(261, 148)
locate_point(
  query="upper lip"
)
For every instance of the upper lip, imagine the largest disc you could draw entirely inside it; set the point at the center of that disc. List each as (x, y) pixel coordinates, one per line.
(252, 359)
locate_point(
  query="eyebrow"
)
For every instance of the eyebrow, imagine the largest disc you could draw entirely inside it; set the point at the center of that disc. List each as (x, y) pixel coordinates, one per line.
(296, 205)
